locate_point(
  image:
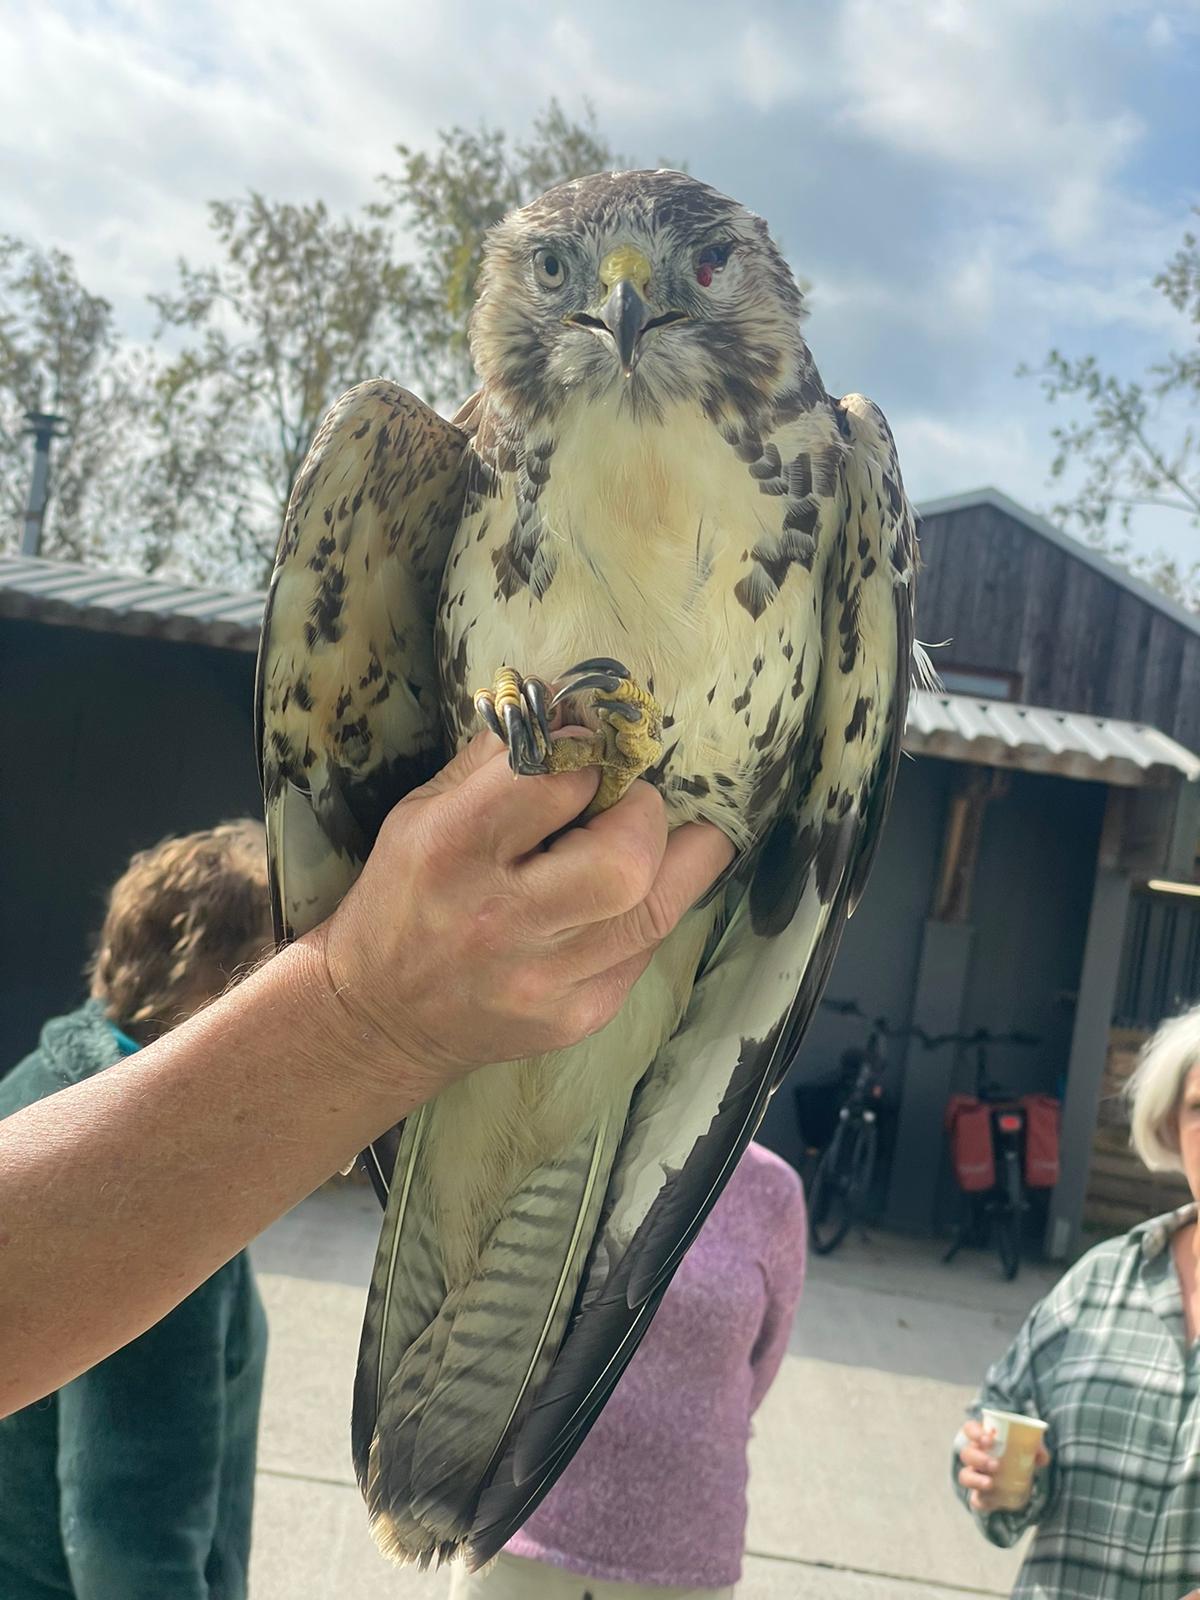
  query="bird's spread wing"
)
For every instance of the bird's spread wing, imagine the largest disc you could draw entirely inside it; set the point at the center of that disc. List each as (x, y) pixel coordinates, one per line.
(699, 1104)
(347, 699)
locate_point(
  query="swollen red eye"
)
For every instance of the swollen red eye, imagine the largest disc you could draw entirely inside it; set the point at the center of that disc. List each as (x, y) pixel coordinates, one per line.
(709, 261)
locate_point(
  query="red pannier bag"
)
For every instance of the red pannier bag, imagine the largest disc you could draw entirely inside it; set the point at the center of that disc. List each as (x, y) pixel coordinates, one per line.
(1043, 1116)
(969, 1125)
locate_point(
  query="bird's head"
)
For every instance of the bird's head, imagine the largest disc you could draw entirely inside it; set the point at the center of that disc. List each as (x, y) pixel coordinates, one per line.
(648, 285)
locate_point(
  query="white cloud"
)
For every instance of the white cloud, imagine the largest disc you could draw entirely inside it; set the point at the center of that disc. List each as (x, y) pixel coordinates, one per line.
(1159, 31)
(943, 456)
(960, 182)
(995, 91)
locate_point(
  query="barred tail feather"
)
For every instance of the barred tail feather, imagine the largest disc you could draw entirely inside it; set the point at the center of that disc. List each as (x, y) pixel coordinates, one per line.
(457, 1393)
(408, 1288)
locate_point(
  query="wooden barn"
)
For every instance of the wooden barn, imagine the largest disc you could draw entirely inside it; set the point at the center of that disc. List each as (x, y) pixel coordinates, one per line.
(1038, 872)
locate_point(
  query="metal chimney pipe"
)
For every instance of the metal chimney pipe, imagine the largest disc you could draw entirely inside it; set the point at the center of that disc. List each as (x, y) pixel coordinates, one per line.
(43, 425)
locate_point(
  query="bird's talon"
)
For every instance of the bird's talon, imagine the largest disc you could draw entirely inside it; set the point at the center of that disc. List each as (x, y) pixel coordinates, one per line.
(514, 708)
(534, 692)
(628, 725)
(594, 680)
(604, 664)
(485, 708)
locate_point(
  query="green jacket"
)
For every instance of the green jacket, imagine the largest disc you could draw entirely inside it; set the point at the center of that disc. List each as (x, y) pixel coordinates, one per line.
(136, 1481)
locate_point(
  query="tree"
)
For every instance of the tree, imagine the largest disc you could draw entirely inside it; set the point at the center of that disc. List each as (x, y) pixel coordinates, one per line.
(60, 352)
(197, 449)
(446, 201)
(1137, 443)
(299, 306)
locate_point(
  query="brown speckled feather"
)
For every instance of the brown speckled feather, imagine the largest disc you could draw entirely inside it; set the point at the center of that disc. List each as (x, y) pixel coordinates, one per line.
(742, 542)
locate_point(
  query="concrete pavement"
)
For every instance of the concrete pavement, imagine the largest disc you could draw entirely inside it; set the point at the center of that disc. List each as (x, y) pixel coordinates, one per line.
(849, 1493)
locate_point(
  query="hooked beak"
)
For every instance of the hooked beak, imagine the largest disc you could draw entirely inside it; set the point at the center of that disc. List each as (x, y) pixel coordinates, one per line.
(625, 315)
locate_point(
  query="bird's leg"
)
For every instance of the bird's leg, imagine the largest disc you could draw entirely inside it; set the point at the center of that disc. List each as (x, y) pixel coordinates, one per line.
(600, 694)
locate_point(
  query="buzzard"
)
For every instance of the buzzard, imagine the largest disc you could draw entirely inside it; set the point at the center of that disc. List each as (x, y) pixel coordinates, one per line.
(652, 520)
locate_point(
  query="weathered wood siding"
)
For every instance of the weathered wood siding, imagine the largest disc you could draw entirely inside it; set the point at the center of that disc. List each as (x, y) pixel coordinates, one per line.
(1008, 599)
(1120, 1190)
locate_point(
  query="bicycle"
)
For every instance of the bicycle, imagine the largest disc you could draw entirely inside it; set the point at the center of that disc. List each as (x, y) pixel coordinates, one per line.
(996, 1212)
(841, 1184)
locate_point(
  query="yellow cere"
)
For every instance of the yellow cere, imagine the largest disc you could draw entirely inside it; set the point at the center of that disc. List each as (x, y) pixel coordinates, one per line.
(625, 262)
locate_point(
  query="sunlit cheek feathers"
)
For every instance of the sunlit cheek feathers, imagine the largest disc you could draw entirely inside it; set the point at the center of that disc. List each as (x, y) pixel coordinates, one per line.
(734, 314)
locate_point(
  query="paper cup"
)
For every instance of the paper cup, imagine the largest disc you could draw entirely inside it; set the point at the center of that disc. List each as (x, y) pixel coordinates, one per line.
(1015, 1447)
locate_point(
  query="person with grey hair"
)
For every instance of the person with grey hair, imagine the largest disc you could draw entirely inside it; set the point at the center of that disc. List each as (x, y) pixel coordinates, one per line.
(1109, 1360)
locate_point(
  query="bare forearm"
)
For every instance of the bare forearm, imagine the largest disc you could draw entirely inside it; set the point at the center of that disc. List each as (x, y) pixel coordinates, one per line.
(122, 1194)
(463, 942)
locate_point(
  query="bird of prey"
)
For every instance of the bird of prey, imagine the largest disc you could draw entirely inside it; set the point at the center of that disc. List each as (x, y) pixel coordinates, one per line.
(653, 520)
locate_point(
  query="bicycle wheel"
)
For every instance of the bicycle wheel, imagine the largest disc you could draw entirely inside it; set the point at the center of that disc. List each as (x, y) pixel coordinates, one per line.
(831, 1202)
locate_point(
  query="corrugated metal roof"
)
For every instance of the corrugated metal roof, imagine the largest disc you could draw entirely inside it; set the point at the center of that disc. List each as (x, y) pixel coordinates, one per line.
(117, 602)
(955, 727)
(1000, 733)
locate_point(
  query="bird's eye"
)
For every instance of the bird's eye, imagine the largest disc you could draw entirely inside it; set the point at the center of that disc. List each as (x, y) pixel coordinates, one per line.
(549, 269)
(709, 262)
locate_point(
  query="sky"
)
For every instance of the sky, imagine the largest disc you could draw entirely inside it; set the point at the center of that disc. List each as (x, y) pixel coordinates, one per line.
(962, 185)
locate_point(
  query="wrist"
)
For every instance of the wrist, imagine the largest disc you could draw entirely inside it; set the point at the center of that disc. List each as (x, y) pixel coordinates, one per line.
(388, 1077)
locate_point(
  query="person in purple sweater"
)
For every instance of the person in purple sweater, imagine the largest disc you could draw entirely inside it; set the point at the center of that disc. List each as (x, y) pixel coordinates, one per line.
(654, 1503)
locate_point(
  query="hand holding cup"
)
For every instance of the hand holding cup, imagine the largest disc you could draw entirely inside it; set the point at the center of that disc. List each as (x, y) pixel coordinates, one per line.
(998, 1460)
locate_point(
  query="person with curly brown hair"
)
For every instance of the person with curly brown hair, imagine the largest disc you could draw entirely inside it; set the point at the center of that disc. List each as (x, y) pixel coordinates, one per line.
(136, 1481)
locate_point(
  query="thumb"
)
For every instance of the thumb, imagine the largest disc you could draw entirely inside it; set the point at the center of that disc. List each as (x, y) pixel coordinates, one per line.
(508, 817)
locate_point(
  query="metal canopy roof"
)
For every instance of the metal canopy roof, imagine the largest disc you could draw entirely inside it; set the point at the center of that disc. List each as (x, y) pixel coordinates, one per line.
(116, 602)
(1000, 733)
(954, 727)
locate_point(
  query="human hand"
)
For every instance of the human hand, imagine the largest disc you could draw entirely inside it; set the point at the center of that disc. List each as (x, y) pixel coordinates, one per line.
(466, 941)
(979, 1466)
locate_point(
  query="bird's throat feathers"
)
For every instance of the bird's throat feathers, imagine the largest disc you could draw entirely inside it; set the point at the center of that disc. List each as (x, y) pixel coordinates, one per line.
(661, 499)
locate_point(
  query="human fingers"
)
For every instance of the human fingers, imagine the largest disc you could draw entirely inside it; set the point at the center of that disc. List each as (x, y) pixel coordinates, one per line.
(601, 869)
(695, 856)
(978, 1460)
(594, 1003)
(981, 1482)
(1042, 1459)
(489, 813)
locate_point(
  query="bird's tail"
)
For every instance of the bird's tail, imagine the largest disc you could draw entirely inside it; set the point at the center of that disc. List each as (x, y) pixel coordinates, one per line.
(447, 1372)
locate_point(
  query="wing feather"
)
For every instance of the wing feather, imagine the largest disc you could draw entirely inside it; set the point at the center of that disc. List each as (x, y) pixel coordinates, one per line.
(346, 696)
(347, 704)
(701, 1102)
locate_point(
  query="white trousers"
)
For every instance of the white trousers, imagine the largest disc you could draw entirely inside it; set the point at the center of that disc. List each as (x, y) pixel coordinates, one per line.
(514, 1578)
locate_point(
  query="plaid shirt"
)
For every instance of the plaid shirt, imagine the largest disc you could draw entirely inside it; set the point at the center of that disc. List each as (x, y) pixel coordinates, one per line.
(1104, 1359)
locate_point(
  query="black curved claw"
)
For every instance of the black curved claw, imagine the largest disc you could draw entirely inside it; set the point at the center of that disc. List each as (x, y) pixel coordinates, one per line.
(534, 691)
(523, 755)
(485, 708)
(593, 680)
(603, 664)
(619, 708)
